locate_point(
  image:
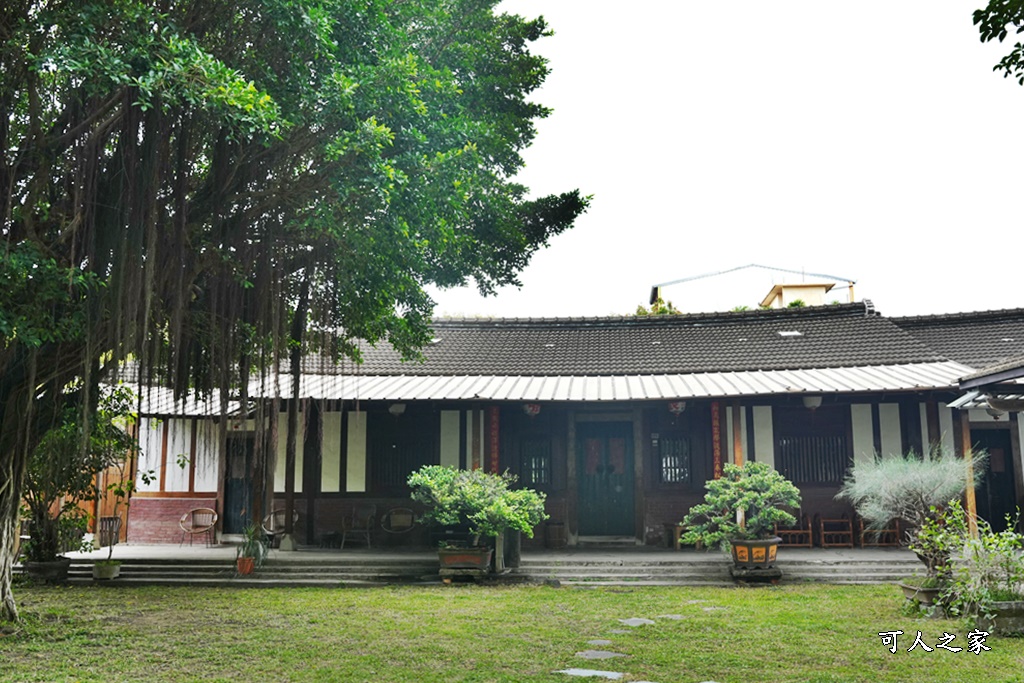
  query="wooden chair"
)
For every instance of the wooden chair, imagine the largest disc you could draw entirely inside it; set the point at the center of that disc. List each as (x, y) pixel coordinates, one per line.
(109, 531)
(835, 532)
(196, 522)
(889, 536)
(800, 535)
(359, 520)
(274, 525)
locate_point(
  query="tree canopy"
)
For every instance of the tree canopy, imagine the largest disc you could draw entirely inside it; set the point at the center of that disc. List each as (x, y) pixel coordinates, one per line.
(200, 185)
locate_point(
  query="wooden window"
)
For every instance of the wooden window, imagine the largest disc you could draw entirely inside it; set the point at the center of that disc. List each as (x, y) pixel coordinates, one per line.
(399, 446)
(535, 462)
(674, 460)
(813, 446)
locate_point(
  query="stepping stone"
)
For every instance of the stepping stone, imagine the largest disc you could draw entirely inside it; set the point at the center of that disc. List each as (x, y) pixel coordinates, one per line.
(713, 609)
(599, 654)
(635, 621)
(600, 642)
(674, 617)
(591, 673)
(695, 602)
(618, 631)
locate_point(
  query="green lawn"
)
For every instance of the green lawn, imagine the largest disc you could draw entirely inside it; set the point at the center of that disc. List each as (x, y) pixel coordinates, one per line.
(469, 633)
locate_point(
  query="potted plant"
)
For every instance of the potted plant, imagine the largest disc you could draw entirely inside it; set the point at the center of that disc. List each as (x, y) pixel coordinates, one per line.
(252, 551)
(61, 474)
(983, 578)
(478, 501)
(915, 489)
(740, 511)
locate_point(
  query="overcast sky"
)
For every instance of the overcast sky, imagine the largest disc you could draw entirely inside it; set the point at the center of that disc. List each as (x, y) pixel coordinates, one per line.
(868, 140)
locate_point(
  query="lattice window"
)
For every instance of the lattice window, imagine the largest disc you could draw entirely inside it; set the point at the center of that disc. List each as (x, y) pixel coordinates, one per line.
(813, 447)
(674, 467)
(535, 462)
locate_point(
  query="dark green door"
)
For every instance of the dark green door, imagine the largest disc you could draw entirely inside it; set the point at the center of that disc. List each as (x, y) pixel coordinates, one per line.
(238, 485)
(605, 475)
(995, 492)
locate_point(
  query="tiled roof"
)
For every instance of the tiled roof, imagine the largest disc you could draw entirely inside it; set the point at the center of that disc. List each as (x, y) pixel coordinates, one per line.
(829, 337)
(978, 339)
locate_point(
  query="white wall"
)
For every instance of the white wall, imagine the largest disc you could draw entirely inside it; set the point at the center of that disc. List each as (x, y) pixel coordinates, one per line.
(946, 427)
(764, 435)
(450, 438)
(355, 469)
(863, 432)
(889, 426)
(151, 431)
(207, 456)
(282, 446)
(330, 453)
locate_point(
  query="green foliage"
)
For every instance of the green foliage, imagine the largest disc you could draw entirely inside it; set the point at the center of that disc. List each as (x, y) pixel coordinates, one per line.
(797, 303)
(940, 537)
(907, 487)
(979, 571)
(481, 501)
(764, 496)
(995, 22)
(659, 307)
(62, 473)
(254, 545)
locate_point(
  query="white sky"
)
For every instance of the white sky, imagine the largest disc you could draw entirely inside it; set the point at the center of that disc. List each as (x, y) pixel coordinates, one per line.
(869, 140)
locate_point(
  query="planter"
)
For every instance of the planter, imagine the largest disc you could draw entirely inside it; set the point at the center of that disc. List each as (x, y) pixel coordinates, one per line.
(926, 597)
(1007, 618)
(104, 570)
(54, 571)
(476, 559)
(246, 565)
(754, 554)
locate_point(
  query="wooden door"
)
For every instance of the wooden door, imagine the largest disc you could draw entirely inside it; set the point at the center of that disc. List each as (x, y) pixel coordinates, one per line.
(238, 485)
(995, 492)
(605, 479)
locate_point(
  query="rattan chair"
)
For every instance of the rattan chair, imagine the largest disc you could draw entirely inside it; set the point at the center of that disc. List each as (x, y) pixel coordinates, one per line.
(199, 521)
(274, 525)
(359, 521)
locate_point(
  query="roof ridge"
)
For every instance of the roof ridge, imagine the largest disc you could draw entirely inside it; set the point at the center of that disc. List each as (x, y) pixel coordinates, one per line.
(960, 316)
(858, 309)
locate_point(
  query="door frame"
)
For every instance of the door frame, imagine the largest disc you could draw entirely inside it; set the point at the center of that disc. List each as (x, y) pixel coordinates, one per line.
(632, 415)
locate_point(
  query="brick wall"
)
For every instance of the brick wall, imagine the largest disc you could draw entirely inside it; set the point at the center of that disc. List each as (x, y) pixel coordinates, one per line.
(155, 520)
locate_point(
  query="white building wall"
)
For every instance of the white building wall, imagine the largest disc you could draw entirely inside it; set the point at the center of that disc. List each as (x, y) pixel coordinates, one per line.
(764, 435)
(151, 432)
(179, 455)
(330, 453)
(862, 427)
(450, 438)
(355, 468)
(282, 449)
(889, 426)
(207, 456)
(946, 427)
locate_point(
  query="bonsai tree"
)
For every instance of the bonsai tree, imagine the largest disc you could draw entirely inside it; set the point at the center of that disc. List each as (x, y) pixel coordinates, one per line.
(482, 502)
(913, 489)
(62, 471)
(745, 503)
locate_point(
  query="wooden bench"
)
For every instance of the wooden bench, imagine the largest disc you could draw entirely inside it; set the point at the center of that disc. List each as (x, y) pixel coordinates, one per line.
(799, 535)
(835, 532)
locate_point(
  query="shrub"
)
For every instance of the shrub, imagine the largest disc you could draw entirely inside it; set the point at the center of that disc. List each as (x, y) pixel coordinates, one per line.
(481, 501)
(764, 496)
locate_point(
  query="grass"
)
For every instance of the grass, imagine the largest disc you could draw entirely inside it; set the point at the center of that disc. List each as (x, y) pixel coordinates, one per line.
(469, 633)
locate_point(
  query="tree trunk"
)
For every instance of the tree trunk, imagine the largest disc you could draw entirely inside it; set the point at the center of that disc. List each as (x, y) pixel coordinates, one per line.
(9, 528)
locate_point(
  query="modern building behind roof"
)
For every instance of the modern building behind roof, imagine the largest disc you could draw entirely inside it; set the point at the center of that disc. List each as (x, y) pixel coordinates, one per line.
(619, 420)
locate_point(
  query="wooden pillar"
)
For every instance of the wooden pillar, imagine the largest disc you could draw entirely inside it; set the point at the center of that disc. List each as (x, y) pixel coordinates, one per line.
(965, 443)
(716, 438)
(475, 455)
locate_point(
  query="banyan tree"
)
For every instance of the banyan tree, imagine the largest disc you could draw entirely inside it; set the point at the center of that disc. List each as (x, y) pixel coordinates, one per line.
(196, 192)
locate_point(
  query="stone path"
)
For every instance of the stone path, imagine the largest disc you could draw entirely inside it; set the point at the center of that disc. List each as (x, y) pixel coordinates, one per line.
(633, 623)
